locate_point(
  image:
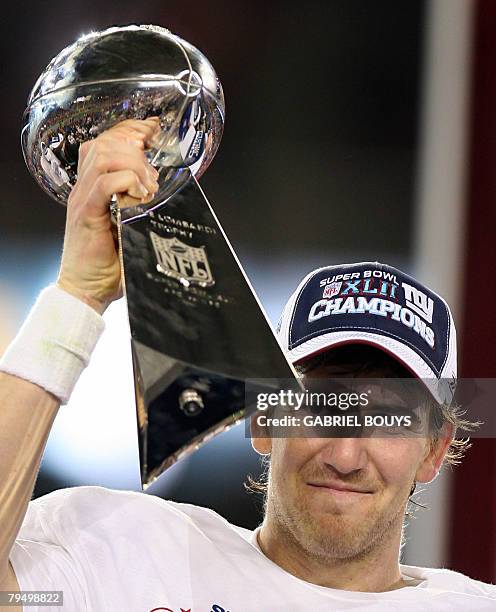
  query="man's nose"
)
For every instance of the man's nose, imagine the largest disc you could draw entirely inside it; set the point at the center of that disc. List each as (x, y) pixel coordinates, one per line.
(345, 455)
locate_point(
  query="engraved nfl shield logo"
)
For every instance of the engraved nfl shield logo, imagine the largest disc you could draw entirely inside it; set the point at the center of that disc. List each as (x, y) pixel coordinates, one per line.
(181, 261)
(332, 289)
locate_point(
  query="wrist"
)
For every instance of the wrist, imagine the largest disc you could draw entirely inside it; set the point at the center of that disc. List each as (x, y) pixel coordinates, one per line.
(55, 342)
(99, 305)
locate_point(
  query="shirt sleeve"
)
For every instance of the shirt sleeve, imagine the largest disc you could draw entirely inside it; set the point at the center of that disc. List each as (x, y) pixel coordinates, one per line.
(48, 554)
(108, 549)
(39, 566)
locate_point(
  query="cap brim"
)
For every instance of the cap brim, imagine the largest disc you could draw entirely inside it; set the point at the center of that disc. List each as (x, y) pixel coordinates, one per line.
(398, 350)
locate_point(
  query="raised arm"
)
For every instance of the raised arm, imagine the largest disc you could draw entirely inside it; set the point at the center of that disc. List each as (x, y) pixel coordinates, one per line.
(90, 271)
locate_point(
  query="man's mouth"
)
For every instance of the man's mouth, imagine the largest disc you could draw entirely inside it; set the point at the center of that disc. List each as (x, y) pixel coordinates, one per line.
(340, 488)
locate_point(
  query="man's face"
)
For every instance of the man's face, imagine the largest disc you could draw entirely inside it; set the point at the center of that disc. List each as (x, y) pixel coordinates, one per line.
(339, 497)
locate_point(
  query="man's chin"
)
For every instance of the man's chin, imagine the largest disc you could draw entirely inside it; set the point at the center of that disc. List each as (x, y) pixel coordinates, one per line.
(336, 542)
(336, 533)
(337, 527)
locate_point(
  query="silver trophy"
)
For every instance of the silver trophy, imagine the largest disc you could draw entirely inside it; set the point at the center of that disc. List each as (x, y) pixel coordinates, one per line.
(198, 331)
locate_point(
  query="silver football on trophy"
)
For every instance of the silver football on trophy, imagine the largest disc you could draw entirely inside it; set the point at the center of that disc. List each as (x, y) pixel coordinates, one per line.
(135, 71)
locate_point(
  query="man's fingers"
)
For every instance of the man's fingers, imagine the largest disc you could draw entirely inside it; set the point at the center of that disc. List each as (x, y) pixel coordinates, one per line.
(127, 133)
(138, 123)
(113, 159)
(115, 162)
(123, 182)
(134, 132)
(146, 128)
(124, 200)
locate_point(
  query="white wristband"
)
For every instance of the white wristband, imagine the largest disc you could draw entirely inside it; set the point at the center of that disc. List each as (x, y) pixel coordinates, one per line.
(55, 343)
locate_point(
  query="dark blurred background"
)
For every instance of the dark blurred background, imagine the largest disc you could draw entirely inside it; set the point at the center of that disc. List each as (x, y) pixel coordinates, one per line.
(322, 106)
(346, 120)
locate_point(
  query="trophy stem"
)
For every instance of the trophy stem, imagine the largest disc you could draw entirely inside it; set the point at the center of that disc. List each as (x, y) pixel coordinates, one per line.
(198, 330)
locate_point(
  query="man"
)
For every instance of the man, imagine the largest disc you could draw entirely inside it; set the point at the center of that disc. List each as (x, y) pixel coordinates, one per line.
(331, 534)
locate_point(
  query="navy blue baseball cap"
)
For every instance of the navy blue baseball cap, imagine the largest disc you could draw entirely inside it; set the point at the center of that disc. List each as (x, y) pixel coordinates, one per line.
(375, 304)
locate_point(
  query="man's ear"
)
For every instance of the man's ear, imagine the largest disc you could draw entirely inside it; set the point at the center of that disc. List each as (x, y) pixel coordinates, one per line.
(434, 455)
(260, 439)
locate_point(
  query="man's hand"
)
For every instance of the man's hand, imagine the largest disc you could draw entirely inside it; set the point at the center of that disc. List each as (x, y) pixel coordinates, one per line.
(112, 163)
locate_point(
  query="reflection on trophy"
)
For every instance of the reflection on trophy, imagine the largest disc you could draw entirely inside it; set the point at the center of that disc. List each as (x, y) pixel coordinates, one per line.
(197, 329)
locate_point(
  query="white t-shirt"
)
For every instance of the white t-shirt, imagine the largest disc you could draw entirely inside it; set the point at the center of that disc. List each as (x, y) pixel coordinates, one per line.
(130, 552)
